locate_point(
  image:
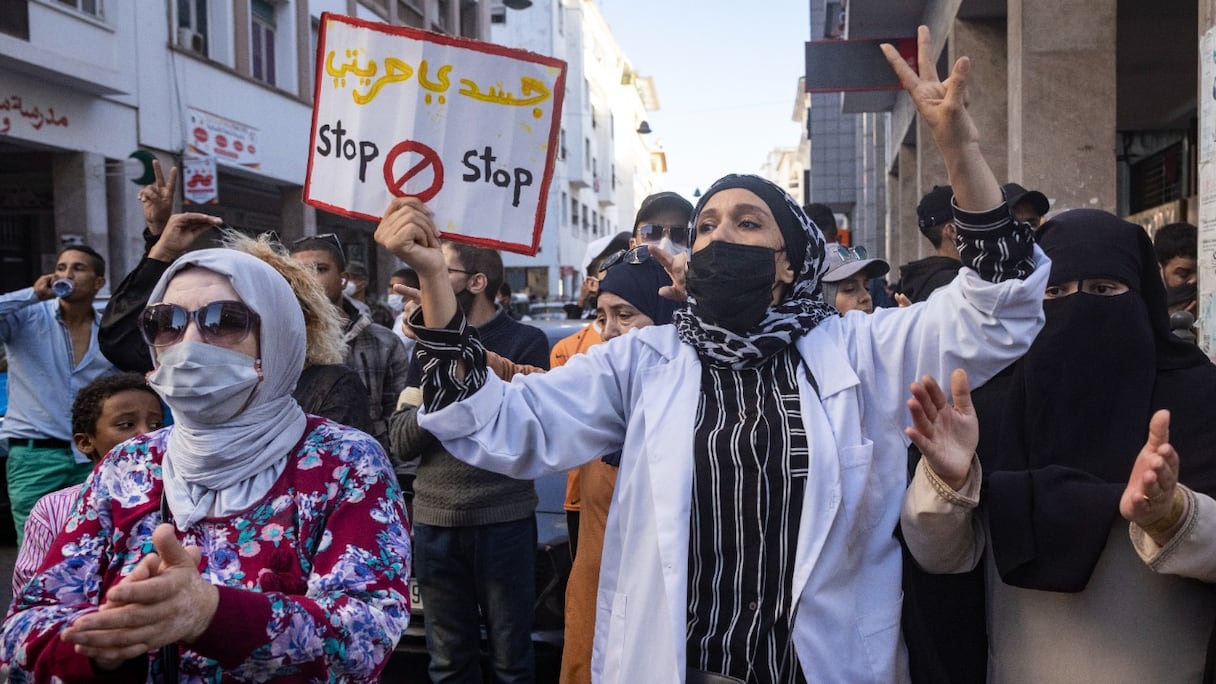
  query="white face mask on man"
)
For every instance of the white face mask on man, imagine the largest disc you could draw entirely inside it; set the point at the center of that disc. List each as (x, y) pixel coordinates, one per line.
(670, 247)
(395, 302)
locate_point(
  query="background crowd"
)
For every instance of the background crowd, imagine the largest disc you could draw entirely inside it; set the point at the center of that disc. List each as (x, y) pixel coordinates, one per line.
(234, 471)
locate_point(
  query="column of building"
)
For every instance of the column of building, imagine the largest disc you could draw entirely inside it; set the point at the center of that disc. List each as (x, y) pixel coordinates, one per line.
(1062, 100)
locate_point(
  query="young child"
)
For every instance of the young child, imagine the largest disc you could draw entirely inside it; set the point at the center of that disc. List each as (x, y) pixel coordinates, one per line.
(107, 412)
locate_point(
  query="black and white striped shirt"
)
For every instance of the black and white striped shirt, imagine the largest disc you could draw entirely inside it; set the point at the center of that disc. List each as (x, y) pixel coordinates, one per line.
(751, 468)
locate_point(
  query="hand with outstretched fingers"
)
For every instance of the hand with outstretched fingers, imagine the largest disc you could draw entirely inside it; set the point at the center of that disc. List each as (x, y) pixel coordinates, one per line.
(676, 267)
(180, 232)
(946, 435)
(942, 105)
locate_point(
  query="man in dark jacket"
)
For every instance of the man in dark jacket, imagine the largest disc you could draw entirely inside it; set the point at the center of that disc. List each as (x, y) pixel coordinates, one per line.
(935, 218)
(474, 530)
(373, 351)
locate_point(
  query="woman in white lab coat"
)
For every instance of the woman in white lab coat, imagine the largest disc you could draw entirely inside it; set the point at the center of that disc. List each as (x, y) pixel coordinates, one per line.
(763, 462)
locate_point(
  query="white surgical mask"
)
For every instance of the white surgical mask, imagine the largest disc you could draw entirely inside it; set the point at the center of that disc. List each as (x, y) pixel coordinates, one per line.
(205, 384)
(672, 248)
(395, 302)
(349, 288)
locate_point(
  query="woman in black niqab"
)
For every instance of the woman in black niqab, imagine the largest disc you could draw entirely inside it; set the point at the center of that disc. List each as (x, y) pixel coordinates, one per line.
(1061, 428)
(1060, 434)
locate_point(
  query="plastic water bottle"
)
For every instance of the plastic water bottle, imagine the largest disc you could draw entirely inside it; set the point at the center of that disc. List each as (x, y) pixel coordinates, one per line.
(62, 287)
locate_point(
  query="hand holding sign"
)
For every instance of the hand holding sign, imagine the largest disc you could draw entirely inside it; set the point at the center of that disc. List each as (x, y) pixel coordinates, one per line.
(408, 231)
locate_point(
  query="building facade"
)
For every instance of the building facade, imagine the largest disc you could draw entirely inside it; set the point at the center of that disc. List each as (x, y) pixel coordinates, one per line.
(606, 161)
(1093, 102)
(85, 83)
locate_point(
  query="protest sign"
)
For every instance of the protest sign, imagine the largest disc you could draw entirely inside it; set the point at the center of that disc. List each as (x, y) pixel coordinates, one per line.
(468, 127)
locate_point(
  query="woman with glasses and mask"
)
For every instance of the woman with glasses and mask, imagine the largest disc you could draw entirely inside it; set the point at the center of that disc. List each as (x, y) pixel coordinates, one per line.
(249, 541)
(751, 533)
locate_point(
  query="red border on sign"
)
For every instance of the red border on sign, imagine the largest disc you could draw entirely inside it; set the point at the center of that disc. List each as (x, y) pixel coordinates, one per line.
(559, 96)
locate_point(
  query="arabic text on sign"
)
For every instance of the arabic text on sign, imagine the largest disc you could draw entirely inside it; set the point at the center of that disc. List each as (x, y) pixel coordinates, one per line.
(532, 91)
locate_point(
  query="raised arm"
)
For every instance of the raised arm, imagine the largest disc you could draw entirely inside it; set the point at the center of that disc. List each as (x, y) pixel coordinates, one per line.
(942, 105)
(408, 231)
(451, 357)
(158, 197)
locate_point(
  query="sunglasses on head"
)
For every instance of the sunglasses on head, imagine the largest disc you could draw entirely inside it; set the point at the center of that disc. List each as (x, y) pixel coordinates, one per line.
(653, 232)
(848, 254)
(325, 237)
(633, 257)
(222, 323)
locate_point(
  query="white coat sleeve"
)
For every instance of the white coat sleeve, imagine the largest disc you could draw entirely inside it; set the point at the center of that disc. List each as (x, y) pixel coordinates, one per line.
(539, 424)
(971, 324)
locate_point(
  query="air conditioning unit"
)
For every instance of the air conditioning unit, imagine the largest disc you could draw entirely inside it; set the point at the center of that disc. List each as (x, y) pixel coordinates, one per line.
(191, 40)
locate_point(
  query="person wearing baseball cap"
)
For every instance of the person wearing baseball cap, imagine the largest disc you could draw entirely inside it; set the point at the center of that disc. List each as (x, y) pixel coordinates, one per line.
(935, 218)
(662, 220)
(1027, 206)
(846, 284)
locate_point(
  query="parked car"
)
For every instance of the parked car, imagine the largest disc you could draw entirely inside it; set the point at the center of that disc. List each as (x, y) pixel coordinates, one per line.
(557, 329)
(543, 311)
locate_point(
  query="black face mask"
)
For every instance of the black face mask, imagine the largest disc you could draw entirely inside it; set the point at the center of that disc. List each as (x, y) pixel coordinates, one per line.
(731, 285)
(464, 299)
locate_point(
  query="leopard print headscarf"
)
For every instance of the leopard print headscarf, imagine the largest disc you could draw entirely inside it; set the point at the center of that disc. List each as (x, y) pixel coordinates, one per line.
(803, 307)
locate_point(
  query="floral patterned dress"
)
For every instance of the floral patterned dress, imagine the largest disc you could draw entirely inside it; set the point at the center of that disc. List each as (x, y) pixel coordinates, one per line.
(312, 579)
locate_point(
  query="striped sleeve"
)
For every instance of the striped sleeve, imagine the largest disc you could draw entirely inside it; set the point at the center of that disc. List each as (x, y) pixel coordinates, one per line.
(47, 517)
(994, 245)
(452, 358)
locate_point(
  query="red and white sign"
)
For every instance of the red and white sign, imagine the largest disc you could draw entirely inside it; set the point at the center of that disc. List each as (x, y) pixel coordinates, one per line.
(468, 127)
(199, 184)
(230, 141)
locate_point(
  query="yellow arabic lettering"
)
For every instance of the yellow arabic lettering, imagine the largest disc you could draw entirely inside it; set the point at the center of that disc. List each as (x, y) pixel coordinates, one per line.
(498, 95)
(352, 66)
(473, 90)
(438, 86)
(395, 71)
(528, 86)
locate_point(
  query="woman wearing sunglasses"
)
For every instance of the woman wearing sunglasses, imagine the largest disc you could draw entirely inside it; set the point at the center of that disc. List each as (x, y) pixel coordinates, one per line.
(762, 466)
(249, 541)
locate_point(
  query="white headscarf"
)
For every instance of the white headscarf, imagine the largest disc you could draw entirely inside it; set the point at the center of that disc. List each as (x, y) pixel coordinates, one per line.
(218, 470)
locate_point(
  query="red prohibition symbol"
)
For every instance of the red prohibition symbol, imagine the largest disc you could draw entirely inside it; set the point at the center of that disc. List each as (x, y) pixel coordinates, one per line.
(427, 158)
